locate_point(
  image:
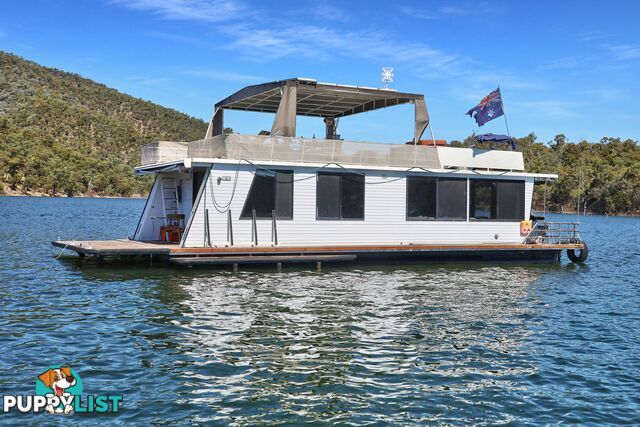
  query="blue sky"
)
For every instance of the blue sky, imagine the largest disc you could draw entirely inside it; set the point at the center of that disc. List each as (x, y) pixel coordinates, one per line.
(568, 67)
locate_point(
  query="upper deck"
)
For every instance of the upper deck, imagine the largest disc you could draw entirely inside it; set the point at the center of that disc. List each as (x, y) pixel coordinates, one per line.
(305, 97)
(323, 151)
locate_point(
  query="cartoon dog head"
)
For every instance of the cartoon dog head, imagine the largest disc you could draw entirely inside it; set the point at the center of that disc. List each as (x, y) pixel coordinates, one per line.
(58, 380)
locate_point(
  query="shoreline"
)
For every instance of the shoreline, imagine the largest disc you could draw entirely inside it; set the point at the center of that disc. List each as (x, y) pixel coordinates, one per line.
(139, 196)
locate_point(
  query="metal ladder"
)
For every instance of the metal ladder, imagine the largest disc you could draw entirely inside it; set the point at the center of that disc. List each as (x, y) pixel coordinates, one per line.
(170, 203)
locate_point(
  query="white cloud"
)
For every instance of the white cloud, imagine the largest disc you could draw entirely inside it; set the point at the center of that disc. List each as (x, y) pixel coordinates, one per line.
(222, 75)
(624, 52)
(550, 108)
(199, 10)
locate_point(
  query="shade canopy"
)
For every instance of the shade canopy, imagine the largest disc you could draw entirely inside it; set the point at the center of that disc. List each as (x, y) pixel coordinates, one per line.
(307, 97)
(501, 139)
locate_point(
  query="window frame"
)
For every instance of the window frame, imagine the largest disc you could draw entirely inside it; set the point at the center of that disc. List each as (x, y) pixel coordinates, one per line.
(495, 199)
(436, 179)
(274, 194)
(341, 175)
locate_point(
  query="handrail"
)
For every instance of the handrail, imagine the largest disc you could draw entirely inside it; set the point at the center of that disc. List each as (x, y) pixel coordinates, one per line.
(229, 228)
(254, 227)
(554, 233)
(274, 228)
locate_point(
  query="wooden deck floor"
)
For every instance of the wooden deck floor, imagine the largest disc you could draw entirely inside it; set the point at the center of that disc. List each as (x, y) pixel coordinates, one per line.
(114, 247)
(131, 247)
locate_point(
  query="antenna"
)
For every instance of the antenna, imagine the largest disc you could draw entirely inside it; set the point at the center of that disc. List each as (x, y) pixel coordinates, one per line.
(387, 76)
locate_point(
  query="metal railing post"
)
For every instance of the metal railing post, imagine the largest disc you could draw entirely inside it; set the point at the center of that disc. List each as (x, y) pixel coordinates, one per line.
(206, 227)
(274, 228)
(229, 228)
(254, 227)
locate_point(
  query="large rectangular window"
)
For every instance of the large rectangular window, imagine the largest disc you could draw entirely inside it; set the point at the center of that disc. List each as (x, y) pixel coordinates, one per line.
(499, 200)
(270, 191)
(431, 198)
(340, 196)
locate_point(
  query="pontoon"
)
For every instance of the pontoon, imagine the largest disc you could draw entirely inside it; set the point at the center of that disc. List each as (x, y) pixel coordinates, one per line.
(277, 198)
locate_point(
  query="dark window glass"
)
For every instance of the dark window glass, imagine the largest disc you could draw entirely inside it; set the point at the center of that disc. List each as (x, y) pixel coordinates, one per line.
(510, 200)
(269, 191)
(284, 195)
(340, 196)
(421, 197)
(328, 196)
(483, 199)
(452, 199)
(352, 196)
(198, 177)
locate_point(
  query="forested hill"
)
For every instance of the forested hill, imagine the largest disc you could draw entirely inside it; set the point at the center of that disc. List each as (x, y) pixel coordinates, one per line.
(64, 134)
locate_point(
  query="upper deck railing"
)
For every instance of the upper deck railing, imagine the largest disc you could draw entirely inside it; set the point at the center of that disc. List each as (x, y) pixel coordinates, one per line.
(323, 151)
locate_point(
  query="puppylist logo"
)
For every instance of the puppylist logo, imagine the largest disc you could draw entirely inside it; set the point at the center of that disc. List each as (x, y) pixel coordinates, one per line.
(59, 391)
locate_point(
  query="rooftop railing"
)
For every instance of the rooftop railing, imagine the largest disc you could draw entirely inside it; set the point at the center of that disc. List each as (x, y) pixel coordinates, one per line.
(326, 151)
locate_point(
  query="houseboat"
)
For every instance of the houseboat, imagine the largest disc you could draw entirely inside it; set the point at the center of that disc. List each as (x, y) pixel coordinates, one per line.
(277, 198)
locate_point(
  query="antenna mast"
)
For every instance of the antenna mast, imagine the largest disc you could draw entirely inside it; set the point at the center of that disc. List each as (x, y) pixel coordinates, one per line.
(387, 76)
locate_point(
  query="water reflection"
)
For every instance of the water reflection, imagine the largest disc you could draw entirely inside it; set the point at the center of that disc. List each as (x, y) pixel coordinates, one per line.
(316, 346)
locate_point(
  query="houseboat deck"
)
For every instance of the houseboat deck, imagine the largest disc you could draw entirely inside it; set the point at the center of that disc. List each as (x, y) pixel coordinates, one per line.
(310, 253)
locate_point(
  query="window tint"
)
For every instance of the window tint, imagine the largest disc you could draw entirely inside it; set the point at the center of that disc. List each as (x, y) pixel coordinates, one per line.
(452, 198)
(431, 198)
(497, 199)
(421, 197)
(352, 196)
(511, 200)
(483, 199)
(340, 196)
(270, 191)
(328, 196)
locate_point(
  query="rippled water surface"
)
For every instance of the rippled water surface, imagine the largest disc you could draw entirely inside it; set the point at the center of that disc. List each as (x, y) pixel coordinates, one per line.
(408, 344)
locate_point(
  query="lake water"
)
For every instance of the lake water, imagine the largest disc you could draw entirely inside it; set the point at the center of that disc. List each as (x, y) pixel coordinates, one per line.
(415, 344)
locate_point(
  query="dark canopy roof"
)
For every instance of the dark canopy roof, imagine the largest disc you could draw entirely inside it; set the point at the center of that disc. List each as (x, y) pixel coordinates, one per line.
(316, 99)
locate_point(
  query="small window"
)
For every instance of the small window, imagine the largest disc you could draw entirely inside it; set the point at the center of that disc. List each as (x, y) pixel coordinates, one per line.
(340, 196)
(501, 200)
(421, 198)
(270, 191)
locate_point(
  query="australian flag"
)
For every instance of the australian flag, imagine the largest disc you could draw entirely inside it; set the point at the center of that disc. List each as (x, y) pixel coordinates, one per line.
(488, 109)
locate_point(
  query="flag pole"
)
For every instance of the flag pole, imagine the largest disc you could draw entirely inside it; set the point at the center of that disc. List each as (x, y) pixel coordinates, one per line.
(504, 113)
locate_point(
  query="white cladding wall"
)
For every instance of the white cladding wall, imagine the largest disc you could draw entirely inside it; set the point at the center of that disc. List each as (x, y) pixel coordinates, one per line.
(385, 210)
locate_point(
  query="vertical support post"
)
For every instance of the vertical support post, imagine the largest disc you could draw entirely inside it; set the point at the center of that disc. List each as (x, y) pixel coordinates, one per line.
(229, 228)
(318, 266)
(279, 266)
(274, 228)
(235, 268)
(254, 227)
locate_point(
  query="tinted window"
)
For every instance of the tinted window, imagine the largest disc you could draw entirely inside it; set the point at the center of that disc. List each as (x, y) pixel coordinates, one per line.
(483, 199)
(452, 198)
(284, 195)
(421, 197)
(510, 200)
(352, 196)
(340, 196)
(497, 199)
(270, 191)
(328, 196)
